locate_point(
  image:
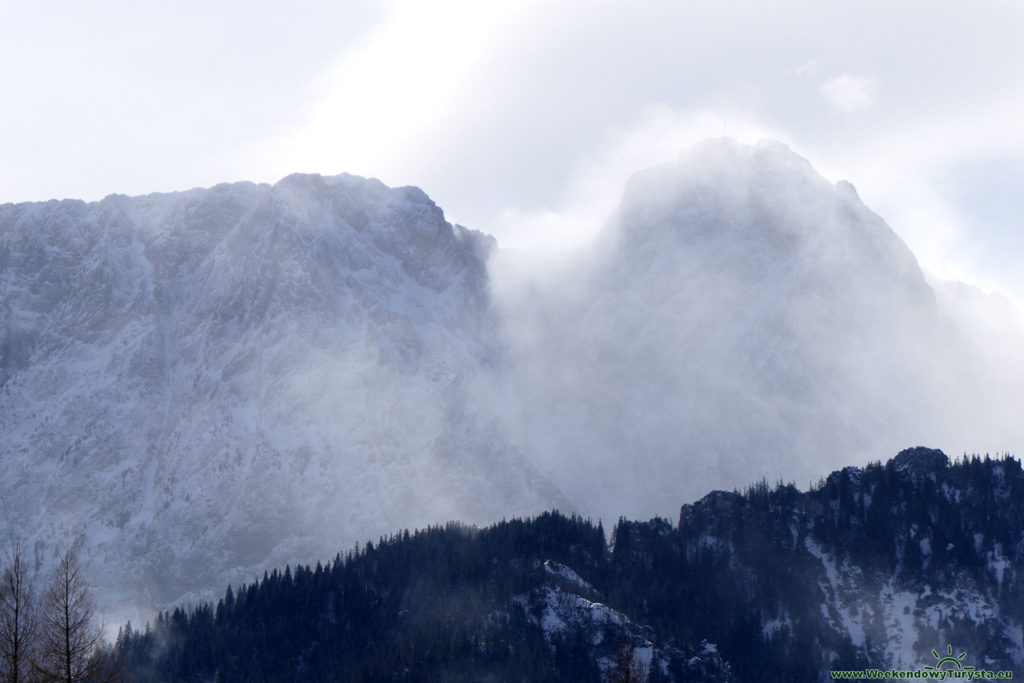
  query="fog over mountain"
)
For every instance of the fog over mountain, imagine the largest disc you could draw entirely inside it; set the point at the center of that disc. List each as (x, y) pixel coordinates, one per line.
(195, 386)
(740, 316)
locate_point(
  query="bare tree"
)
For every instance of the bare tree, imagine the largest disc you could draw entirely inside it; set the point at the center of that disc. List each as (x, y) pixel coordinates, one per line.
(17, 621)
(68, 634)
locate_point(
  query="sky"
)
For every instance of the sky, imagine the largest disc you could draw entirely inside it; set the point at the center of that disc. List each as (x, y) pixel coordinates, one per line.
(523, 118)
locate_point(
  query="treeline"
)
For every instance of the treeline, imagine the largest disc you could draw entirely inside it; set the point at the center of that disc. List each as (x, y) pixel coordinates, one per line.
(765, 574)
(57, 640)
(773, 577)
(424, 606)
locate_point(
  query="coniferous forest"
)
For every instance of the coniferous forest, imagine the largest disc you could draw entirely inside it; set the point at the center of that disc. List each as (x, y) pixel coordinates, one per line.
(772, 584)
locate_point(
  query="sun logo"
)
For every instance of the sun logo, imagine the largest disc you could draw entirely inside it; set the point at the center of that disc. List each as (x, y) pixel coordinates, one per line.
(949, 659)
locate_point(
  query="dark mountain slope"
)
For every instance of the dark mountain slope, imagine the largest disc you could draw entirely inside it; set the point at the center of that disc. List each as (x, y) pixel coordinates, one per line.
(873, 568)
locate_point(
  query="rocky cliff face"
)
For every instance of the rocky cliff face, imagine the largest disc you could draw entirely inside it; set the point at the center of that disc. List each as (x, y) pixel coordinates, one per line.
(196, 385)
(874, 568)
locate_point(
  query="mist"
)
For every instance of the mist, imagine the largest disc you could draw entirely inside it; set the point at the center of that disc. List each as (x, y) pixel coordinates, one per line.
(739, 316)
(196, 387)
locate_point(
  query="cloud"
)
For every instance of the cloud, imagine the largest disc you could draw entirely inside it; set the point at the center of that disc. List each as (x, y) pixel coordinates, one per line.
(596, 181)
(370, 105)
(650, 345)
(848, 93)
(910, 189)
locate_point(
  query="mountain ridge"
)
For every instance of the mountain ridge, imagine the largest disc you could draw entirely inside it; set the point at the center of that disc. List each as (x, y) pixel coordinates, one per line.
(873, 568)
(217, 362)
(213, 381)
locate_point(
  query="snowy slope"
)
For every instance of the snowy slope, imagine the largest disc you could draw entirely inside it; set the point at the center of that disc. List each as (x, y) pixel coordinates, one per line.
(875, 568)
(194, 386)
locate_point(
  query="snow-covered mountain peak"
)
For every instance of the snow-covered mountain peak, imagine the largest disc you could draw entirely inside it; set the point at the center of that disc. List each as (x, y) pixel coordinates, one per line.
(742, 316)
(847, 188)
(760, 221)
(726, 168)
(763, 195)
(200, 384)
(195, 385)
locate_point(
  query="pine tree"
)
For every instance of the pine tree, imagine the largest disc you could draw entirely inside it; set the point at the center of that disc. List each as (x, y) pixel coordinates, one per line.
(17, 621)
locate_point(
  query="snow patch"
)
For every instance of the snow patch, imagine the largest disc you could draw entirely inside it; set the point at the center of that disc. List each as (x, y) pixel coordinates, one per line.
(567, 574)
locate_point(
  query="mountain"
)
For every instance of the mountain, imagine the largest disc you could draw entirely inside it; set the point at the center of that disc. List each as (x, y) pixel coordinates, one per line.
(195, 386)
(876, 568)
(448, 603)
(740, 317)
(198, 386)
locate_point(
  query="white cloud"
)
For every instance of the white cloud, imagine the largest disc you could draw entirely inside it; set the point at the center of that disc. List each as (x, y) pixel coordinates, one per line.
(370, 105)
(899, 172)
(848, 93)
(595, 184)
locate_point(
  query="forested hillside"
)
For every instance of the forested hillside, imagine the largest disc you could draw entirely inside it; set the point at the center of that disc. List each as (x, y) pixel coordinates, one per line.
(873, 567)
